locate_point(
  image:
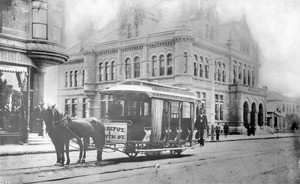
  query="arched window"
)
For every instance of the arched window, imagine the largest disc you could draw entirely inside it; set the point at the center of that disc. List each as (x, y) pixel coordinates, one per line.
(113, 72)
(244, 76)
(221, 112)
(224, 72)
(83, 77)
(101, 68)
(253, 78)
(154, 66)
(169, 64)
(127, 68)
(195, 66)
(137, 69)
(223, 75)
(161, 65)
(185, 62)
(219, 74)
(201, 70)
(71, 78)
(75, 78)
(107, 71)
(249, 78)
(206, 68)
(66, 79)
(212, 33)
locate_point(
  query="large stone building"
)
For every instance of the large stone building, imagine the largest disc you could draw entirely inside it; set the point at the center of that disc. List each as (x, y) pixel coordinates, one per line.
(31, 38)
(185, 46)
(278, 109)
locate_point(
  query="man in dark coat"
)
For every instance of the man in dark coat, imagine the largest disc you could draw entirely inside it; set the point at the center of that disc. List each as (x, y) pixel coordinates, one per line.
(201, 124)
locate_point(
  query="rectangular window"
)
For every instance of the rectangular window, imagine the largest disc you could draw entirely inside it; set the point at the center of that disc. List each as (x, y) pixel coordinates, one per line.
(174, 109)
(74, 107)
(39, 19)
(84, 108)
(67, 106)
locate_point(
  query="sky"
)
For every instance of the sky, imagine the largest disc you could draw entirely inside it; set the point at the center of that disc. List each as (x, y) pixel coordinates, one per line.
(274, 25)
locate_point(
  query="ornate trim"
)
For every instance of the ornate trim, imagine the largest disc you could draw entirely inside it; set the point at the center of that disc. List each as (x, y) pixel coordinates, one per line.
(160, 44)
(184, 39)
(110, 51)
(139, 47)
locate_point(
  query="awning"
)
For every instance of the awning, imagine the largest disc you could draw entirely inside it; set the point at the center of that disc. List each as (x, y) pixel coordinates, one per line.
(279, 114)
(12, 69)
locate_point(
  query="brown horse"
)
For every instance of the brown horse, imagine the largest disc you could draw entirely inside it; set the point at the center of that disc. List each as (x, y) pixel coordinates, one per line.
(39, 112)
(64, 128)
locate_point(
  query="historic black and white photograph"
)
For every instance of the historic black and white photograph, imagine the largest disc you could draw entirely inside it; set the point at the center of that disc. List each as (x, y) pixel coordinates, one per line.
(150, 91)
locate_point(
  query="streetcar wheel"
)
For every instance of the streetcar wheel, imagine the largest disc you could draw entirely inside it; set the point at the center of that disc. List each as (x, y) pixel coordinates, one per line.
(132, 155)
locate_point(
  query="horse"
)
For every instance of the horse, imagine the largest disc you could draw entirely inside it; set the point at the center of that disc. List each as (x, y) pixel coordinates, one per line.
(68, 128)
(58, 144)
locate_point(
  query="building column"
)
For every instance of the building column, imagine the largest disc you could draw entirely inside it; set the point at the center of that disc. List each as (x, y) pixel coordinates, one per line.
(144, 63)
(90, 79)
(119, 66)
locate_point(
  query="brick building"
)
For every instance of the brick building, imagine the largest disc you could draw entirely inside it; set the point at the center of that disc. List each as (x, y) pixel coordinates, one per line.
(190, 49)
(31, 38)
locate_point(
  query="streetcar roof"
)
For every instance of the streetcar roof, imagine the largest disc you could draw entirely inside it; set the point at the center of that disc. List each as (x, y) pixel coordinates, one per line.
(153, 90)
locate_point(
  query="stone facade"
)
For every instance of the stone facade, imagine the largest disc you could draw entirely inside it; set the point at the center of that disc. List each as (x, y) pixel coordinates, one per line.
(192, 49)
(31, 38)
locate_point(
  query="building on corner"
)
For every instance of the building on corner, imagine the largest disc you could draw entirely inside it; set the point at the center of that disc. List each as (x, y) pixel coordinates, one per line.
(31, 38)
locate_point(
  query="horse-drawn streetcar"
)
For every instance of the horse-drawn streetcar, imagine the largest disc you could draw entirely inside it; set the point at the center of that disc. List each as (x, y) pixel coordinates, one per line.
(149, 118)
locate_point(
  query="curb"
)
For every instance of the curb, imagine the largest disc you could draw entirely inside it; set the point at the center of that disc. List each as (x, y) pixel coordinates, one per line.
(209, 141)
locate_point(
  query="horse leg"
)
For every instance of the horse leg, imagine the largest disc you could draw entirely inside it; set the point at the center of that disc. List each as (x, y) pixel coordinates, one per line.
(58, 158)
(81, 149)
(61, 153)
(86, 142)
(67, 143)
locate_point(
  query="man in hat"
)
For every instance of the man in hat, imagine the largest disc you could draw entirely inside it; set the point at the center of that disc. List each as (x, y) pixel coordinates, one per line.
(201, 124)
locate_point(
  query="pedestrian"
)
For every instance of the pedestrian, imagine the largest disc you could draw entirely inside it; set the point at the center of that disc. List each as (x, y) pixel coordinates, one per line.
(200, 125)
(218, 129)
(226, 129)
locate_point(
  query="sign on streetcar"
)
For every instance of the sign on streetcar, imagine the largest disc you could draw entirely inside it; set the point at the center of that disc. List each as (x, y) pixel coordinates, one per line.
(115, 132)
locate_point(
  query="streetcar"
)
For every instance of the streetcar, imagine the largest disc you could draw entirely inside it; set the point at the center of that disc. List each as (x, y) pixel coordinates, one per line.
(149, 118)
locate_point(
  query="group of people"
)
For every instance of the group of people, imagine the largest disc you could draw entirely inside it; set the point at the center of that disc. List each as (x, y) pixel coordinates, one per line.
(201, 125)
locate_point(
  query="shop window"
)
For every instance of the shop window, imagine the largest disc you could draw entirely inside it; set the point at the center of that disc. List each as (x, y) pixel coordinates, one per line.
(174, 109)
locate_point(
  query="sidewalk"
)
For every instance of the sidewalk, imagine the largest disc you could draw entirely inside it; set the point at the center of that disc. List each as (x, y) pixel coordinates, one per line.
(6, 150)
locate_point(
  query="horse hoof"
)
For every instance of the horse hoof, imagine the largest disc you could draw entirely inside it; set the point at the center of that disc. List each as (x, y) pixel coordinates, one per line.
(78, 162)
(82, 161)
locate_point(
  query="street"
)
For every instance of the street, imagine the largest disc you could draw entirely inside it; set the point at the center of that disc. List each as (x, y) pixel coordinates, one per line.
(251, 161)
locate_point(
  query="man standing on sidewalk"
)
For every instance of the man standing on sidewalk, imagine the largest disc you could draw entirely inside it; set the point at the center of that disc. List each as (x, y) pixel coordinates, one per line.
(201, 124)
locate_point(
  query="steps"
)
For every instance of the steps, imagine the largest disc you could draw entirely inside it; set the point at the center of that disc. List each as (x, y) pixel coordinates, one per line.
(35, 139)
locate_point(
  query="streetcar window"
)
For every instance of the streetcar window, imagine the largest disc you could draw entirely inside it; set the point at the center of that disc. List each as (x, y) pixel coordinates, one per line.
(174, 109)
(186, 112)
